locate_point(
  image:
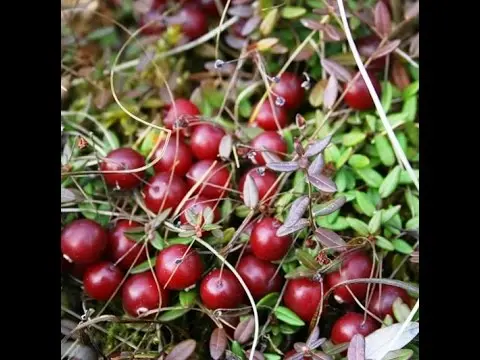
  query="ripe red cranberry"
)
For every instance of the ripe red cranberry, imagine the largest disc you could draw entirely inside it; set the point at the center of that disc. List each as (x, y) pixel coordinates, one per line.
(221, 290)
(302, 296)
(198, 204)
(263, 178)
(210, 7)
(194, 21)
(358, 97)
(164, 188)
(83, 241)
(351, 324)
(101, 280)
(180, 108)
(271, 141)
(266, 245)
(259, 276)
(175, 273)
(121, 247)
(367, 45)
(140, 293)
(383, 299)
(290, 88)
(265, 118)
(354, 266)
(177, 154)
(218, 178)
(123, 159)
(205, 141)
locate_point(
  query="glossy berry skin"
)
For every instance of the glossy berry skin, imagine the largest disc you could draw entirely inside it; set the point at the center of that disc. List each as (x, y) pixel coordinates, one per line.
(184, 275)
(383, 299)
(121, 247)
(83, 241)
(177, 154)
(198, 204)
(259, 277)
(217, 178)
(263, 178)
(123, 159)
(290, 88)
(101, 280)
(302, 296)
(266, 245)
(367, 45)
(205, 141)
(221, 290)
(266, 120)
(194, 21)
(140, 293)
(351, 324)
(180, 107)
(355, 265)
(271, 141)
(358, 98)
(164, 187)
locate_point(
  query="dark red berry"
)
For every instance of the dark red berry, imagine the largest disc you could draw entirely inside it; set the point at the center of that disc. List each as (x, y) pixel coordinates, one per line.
(367, 45)
(180, 109)
(210, 7)
(266, 245)
(383, 298)
(121, 247)
(266, 120)
(140, 293)
(194, 21)
(221, 290)
(164, 191)
(175, 273)
(217, 178)
(302, 296)
(83, 241)
(290, 88)
(123, 159)
(101, 280)
(155, 20)
(271, 141)
(176, 153)
(261, 277)
(358, 97)
(197, 205)
(263, 178)
(205, 141)
(351, 324)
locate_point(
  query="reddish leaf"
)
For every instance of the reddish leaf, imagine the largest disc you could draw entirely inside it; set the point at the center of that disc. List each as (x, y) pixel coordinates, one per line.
(269, 157)
(330, 239)
(331, 92)
(244, 11)
(304, 54)
(300, 121)
(314, 335)
(316, 166)
(399, 75)
(218, 343)
(322, 183)
(257, 355)
(330, 206)
(311, 24)
(318, 146)
(414, 46)
(412, 10)
(297, 210)
(339, 71)
(383, 20)
(356, 349)
(244, 330)
(182, 351)
(235, 42)
(250, 193)
(386, 49)
(333, 33)
(283, 166)
(251, 25)
(286, 230)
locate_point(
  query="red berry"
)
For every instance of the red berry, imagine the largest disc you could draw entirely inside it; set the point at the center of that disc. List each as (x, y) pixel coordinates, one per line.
(140, 293)
(123, 159)
(194, 21)
(83, 241)
(261, 277)
(205, 141)
(175, 273)
(121, 247)
(176, 154)
(217, 178)
(164, 188)
(383, 298)
(290, 88)
(358, 97)
(263, 178)
(265, 118)
(351, 324)
(302, 296)
(266, 245)
(221, 290)
(210, 7)
(355, 265)
(367, 45)
(155, 21)
(178, 109)
(198, 204)
(101, 280)
(271, 141)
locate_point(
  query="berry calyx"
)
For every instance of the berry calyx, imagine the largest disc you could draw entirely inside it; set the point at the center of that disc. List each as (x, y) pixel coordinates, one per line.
(123, 159)
(214, 183)
(266, 245)
(140, 293)
(261, 277)
(302, 296)
(358, 97)
(164, 191)
(83, 241)
(265, 118)
(101, 280)
(180, 111)
(177, 156)
(205, 140)
(220, 289)
(121, 247)
(197, 205)
(351, 324)
(268, 141)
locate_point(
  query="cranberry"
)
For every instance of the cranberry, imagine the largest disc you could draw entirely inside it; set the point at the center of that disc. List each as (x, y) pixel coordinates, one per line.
(194, 21)
(177, 154)
(383, 298)
(351, 324)
(164, 191)
(101, 280)
(205, 141)
(266, 245)
(358, 96)
(271, 141)
(121, 247)
(83, 241)
(265, 118)
(198, 204)
(175, 273)
(367, 45)
(220, 289)
(263, 178)
(302, 296)
(355, 265)
(290, 88)
(140, 293)
(260, 276)
(123, 159)
(180, 108)
(217, 178)
(210, 7)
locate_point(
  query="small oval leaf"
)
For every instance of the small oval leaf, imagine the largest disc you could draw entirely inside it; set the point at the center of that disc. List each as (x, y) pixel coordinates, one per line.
(329, 207)
(322, 183)
(389, 185)
(288, 316)
(386, 49)
(382, 18)
(318, 146)
(218, 343)
(287, 230)
(297, 210)
(330, 239)
(250, 193)
(182, 351)
(244, 330)
(316, 166)
(283, 166)
(339, 71)
(331, 92)
(356, 349)
(225, 147)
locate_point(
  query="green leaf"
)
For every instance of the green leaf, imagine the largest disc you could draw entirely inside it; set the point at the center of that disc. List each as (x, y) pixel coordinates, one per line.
(402, 246)
(112, 138)
(237, 349)
(242, 211)
(359, 226)
(306, 259)
(331, 218)
(287, 329)
(340, 224)
(157, 241)
(269, 300)
(364, 203)
(384, 150)
(410, 109)
(413, 223)
(179, 240)
(412, 202)
(375, 222)
(299, 183)
(272, 357)
(288, 137)
(245, 108)
(353, 138)
(144, 266)
(387, 95)
(411, 89)
(396, 119)
(358, 161)
(172, 314)
(405, 178)
(293, 12)
(187, 298)
(395, 221)
(288, 316)
(402, 354)
(344, 157)
(331, 153)
(402, 140)
(383, 243)
(341, 180)
(370, 176)
(390, 184)
(371, 121)
(401, 311)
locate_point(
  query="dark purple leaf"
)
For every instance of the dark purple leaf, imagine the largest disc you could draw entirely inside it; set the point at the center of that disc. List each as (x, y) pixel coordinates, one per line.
(269, 157)
(240, 2)
(311, 24)
(225, 147)
(244, 330)
(314, 335)
(251, 25)
(286, 230)
(332, 33)
(244, 11)
(250, 193)
(257, 355)
(299, 346)
(334, 68)
(399, 75)
(322, 183)
(296, 356)
(317, 343)
(356, 349)
(316, 166)
(383, 20)
(366, 16)
(304, 54)
(329, 207)
(318, 146)
(297, 210)
(299, 148)
(330, 239)
(218, 343)
(386, 49)
(318, 355)
(331, 92)
(235, 42)
(182, 351)
(283, 166)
